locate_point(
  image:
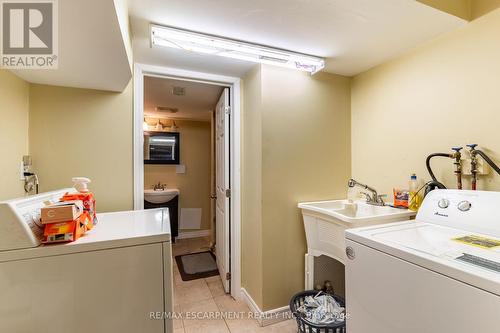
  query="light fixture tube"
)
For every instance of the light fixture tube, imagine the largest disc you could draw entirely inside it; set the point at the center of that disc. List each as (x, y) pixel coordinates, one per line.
(202, 43)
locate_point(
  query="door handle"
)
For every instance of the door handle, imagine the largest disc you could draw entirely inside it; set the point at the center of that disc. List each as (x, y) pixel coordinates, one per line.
(213, 196)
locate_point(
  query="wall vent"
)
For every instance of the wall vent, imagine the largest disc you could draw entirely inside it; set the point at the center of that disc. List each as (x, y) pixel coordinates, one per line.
(179, 91)
(166, 109)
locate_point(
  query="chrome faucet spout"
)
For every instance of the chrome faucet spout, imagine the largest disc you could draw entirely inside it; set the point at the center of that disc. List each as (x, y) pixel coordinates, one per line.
(374, 198)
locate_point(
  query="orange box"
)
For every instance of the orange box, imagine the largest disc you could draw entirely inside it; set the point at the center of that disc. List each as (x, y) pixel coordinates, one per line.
(89, 204)
(66, 231)
(62, 212)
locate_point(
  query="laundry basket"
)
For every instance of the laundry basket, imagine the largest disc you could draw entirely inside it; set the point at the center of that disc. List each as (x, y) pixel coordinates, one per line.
(304, 325)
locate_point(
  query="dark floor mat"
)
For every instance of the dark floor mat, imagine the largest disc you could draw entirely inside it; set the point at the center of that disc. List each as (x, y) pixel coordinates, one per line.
(197, 265)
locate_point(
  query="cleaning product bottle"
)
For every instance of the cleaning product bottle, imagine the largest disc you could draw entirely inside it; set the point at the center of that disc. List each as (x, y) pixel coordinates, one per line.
(414, 198)
(89, 206)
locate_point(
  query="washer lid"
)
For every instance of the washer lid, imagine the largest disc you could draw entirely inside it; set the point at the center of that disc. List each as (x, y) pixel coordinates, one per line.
(469, 257)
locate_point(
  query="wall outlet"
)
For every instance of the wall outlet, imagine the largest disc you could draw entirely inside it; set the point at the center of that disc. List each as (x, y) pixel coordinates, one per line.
(21, 171)
(482, 167)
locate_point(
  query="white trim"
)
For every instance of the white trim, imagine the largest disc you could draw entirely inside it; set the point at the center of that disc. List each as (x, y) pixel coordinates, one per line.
(193, 234)
(138, 137)
(234, 83)
(266, 318)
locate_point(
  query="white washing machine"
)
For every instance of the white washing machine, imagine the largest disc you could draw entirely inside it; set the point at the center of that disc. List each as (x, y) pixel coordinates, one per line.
(115, 278)
(437, 274)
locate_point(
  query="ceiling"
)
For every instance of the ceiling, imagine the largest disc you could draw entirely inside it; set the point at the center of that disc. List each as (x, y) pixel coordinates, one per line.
(92, 51)
(353, 35)
(198, 102)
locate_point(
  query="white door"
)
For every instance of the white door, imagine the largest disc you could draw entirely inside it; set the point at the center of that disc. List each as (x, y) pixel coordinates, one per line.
(222, 188)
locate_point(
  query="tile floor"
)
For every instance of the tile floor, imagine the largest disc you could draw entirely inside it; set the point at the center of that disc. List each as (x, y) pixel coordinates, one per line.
(207, 296)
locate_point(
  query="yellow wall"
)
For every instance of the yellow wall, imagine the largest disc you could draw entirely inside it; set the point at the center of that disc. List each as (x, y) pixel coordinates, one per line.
(441, 95)
(80, 132)
(14, 109)
(251, 186)
(296, 140)
(195, 153)
(466, 9)
(482, 7)
(459, 8)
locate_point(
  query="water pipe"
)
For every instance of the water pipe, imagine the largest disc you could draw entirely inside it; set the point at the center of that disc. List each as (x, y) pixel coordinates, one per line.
(458, 165)
(473, 164)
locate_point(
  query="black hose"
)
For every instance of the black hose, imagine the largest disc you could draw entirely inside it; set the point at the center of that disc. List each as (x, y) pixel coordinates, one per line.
(488, 160)
(428, 164)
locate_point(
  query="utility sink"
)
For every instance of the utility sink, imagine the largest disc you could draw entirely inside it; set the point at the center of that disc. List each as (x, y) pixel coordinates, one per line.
(325, 223)
(160, 196)
(357, 213)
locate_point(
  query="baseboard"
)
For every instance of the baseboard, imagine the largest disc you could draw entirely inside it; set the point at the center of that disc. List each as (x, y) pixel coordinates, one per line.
(193, 234)
(266, 318)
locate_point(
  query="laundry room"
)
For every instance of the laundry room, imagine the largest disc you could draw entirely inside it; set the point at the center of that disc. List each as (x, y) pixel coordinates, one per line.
(249, 166)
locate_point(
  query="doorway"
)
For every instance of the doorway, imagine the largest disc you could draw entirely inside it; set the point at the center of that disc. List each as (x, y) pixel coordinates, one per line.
(226, 160)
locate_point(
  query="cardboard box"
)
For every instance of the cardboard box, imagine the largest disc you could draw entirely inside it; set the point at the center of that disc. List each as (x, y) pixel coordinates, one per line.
(62, 212)
(66, 231)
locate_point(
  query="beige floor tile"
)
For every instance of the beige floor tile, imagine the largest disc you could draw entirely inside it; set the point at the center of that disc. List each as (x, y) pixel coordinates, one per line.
(192, 291)
(198, 244)
(178, 250)
(228, 304)
(177, 321)
(216, 287)
(214, 326)
(199, 312)
(287, 326)
(213, 278)
(243, 325)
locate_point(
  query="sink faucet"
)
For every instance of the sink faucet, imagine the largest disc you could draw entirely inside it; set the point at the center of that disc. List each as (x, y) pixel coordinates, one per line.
(159, 186)
(373, 198)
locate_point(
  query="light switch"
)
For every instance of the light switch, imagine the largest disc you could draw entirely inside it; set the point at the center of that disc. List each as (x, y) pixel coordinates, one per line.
(180, 168)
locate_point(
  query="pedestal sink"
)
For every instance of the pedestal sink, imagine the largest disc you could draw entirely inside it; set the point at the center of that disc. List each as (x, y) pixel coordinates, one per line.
(160, 196)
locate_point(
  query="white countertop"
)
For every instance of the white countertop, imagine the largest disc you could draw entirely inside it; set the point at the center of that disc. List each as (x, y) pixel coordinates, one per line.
(113, 230)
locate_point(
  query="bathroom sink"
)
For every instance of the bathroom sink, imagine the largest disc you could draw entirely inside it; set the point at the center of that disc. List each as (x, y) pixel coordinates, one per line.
(358, 212)
(160, 196)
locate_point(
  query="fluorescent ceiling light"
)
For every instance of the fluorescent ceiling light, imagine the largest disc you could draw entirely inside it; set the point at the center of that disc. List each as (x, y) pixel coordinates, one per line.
(197, 42)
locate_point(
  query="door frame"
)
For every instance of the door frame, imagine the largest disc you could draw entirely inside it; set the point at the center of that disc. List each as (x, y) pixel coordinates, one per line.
(234, 85)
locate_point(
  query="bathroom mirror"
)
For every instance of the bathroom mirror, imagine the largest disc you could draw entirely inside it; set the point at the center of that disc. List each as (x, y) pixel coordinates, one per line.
(161, 147)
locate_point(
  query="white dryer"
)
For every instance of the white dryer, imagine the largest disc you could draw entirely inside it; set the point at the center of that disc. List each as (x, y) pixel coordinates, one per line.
(437, 274)
(115, 278)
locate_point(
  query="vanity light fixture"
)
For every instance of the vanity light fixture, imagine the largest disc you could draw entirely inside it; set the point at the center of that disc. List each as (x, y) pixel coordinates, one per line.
(202, 43)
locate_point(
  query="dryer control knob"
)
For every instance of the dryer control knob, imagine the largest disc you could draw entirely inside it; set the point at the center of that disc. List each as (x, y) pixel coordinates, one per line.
(464, 205)
(443, 203)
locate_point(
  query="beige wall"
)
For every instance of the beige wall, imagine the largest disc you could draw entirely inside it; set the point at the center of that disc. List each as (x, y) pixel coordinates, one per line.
(251, 186)
(460, 8)
(195, 153)
(80, 132)
(297, 141)
(466, 9)
(441, 95)
(14, 110)
(482, 7)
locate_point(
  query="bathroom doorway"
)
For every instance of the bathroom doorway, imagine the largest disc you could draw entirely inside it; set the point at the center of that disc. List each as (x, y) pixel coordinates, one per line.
(186, 149)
